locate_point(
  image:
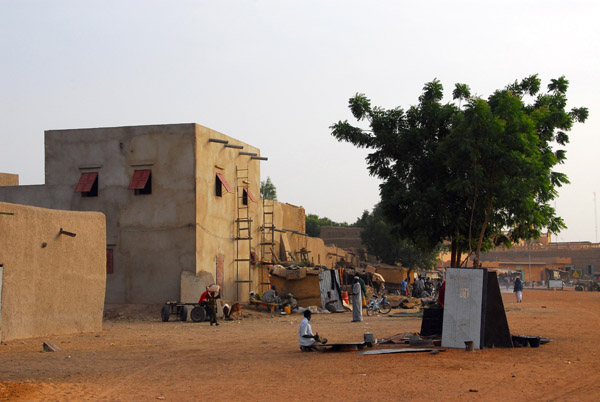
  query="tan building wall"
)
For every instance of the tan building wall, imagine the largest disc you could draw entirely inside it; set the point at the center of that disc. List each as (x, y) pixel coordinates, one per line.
(51, 283)
(9, 179)
(342, 237)
(217, 217)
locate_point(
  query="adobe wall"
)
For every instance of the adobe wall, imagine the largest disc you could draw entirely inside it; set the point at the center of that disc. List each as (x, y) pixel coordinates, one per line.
(342, 237)
(152, 236)
(9, 179)
(536, 271)
(216, 217)
(52, 283)
(290, 217)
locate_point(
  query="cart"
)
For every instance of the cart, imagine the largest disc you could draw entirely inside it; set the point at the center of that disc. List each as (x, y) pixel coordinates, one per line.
(180, 310)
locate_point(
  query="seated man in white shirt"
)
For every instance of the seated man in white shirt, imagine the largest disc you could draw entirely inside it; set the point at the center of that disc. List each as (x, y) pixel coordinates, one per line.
(308, 341)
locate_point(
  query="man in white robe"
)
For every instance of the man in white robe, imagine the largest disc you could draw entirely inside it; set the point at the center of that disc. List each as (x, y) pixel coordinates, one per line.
(309, 341)
(356, 301)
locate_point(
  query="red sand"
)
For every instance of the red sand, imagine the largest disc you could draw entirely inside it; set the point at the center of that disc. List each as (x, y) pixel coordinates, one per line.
(141, 358)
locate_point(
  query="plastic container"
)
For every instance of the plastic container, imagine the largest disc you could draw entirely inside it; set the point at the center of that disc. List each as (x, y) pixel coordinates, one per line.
(345, 297)
(287, 309)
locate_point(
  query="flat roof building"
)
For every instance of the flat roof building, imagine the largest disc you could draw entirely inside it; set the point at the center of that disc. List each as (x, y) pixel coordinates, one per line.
(178, 198)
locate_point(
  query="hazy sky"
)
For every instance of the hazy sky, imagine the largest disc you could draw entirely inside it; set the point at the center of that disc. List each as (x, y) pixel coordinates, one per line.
(276, 74)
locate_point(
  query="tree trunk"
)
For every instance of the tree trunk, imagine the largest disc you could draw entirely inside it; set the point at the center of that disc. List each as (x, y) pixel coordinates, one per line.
(488, 210)
(453, 254)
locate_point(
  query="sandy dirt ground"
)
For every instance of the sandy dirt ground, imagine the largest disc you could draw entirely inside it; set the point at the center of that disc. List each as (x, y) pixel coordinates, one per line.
(139, 358)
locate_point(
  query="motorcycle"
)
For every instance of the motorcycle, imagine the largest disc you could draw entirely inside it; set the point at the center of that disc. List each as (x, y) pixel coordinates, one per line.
(380, 305)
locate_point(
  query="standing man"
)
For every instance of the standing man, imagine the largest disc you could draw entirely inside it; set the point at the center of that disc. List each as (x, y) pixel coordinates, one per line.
(518, 290)
(356, 301)
(404, 288)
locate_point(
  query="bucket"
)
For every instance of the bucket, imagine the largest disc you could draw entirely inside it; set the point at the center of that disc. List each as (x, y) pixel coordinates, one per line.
(287, 309)
(520, 341)
(534, 341)
(345, 297)
(369, 337)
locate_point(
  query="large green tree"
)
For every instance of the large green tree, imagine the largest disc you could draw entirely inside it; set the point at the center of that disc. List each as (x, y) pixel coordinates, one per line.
(473, 175)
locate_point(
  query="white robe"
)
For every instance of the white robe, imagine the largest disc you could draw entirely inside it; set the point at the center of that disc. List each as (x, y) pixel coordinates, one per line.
(305, 329)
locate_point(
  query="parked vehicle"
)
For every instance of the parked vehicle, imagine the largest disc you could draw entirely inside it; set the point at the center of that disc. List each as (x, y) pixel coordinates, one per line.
(380, 305)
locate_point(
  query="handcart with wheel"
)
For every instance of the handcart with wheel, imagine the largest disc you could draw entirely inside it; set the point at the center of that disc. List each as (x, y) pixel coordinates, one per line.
(180, 310)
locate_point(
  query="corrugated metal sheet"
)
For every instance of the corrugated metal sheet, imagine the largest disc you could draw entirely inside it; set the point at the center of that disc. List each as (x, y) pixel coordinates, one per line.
(86, 181)
(139, 179)
(224, 183)
(464, 307)
(330, 290)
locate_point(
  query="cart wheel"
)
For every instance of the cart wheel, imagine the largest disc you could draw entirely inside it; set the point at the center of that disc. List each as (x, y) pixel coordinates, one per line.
(198, 314)
(165, 313)
(183, 313)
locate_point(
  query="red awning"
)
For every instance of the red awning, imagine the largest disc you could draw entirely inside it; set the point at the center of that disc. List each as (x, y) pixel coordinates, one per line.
(139, 179)
(249, 194)
(86, 181)
(224, 183)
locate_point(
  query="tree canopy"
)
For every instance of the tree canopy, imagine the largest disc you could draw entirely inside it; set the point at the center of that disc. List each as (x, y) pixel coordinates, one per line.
(314, 224)
(473, 174)
(379, 241)
(268, 190)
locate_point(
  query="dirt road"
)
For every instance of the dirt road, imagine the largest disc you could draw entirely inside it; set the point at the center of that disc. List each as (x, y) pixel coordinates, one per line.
(256, 359)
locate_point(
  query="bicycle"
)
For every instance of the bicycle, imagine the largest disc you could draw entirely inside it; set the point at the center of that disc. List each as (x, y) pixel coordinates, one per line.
(380, 305)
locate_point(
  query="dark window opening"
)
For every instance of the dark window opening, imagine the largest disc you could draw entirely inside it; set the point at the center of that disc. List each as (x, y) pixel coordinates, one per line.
(218, 187)
(88, 185)
(109, 261)
(220, 182)
(141, 182)
(244, 197)
(147, 188)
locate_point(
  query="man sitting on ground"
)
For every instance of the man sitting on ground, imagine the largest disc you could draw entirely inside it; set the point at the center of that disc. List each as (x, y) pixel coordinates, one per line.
(308, 341)
(290, 301)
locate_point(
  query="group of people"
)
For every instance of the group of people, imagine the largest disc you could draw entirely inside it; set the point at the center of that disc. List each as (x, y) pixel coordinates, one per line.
(271, 296)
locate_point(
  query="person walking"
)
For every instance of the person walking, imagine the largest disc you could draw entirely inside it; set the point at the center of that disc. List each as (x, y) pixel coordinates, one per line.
(212, 306)
(356, 301)
(518, 290)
